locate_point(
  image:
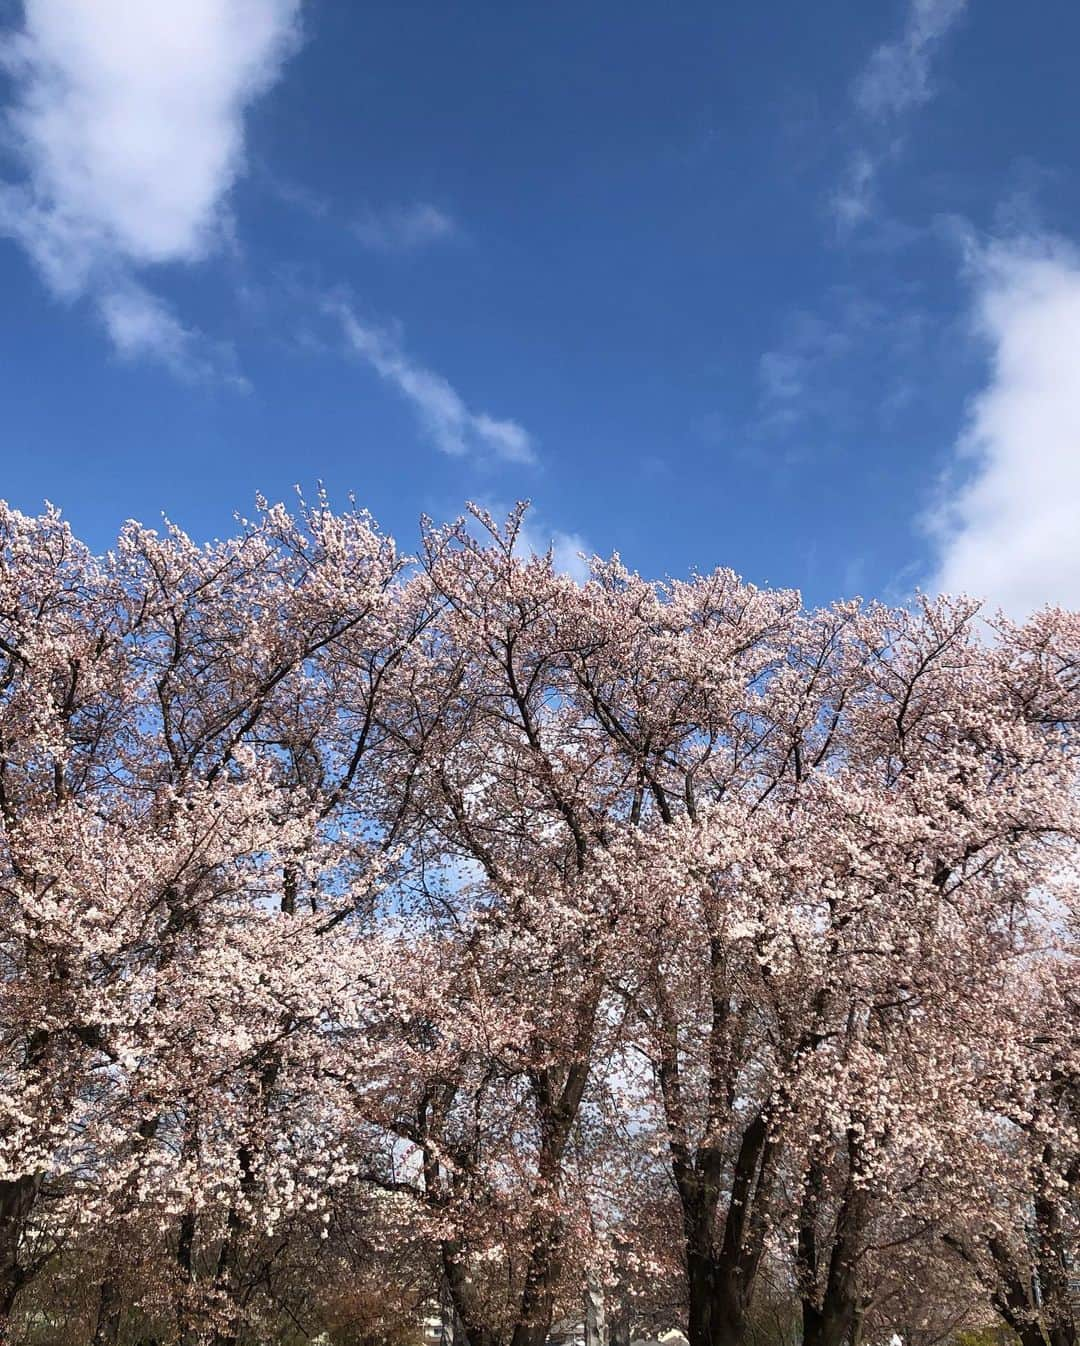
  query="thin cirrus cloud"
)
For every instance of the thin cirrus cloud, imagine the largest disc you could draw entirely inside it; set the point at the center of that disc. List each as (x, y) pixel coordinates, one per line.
(894, 82)
(814, 378)
(140, 323)
(127, 121)
(789, 375)
(452, 426)
(1006, 530)
(385, 229)
(897, 76)
(570, 553)
(404, 229)
(853, 200)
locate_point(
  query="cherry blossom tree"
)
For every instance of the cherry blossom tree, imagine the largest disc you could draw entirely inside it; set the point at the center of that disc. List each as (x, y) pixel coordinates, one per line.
(156, 839)
(913, 785)
(511, 936)
(1016, 1220)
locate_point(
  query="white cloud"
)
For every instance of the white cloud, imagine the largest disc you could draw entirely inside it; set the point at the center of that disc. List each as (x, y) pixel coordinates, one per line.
(897, 76)
(1010, 531)
(791, 375)
(127, 123)
(894, 81)
(569, 551)
(843, 368)
(404, 228)
(853, 200)
(442, 412)
(142, 327)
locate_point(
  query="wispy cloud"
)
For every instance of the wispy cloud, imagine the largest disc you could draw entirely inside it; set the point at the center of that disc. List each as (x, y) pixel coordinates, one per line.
(846, 365)
(854, 199)
(895, 81)
(141, 326)
(570, 553)
(451, 425)
(388, 229)
(127, 123)
(400, 229)
(897, 76)
(786, 373)
(1007, 529)
(793, 377)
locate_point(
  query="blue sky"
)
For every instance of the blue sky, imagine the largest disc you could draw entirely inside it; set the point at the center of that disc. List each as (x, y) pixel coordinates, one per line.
(785, 287)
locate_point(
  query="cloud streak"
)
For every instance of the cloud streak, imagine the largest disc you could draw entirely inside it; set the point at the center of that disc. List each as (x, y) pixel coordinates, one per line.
(404, 229)
(1005, 527)
(443, 415)
(789, 374)
(570, 552)
(897, 76)
(127, 123)
(141, 326)
(895, 81)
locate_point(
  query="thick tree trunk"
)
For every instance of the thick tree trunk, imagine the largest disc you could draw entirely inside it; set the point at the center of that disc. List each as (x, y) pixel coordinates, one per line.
(107, 1328)
(468, 1330)
(828, 1326)
(833, 1322)
(831, 1319)
(557, 1108)
(595, 1316)
(110, 1295)
(8, 1291)
(717, 1307)
(537, 1306)
(557, 1103)
(720, 1281)
(699, 1285)
(1055, 1256)
(9, 1288)
(541, 1282)
(185, 1257)
(1009, 1298)
(17, 1200)
(228, 1269)
(227, 1275)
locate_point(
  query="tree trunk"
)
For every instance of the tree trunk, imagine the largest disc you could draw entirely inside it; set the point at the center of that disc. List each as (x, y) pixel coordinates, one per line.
(557, 1109)
(8, 1291)
(720, 1281)
(228, 1267)
(828, 1326)
(699, 1283)
(718, 1306)
(17, 1200)
(107, 1328)
(9, 1288)
(467, 1330)
(538, 1296)
(185, 1257)
(595, 1319)
(833, 1323)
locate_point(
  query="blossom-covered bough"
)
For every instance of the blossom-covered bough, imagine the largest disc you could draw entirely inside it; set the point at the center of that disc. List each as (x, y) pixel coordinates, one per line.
(380, 932)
